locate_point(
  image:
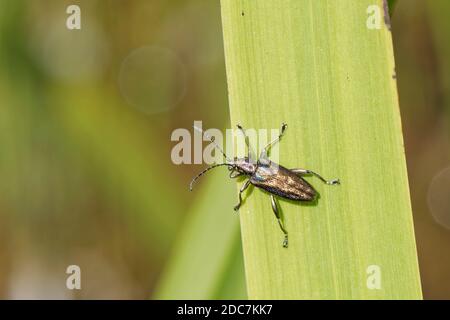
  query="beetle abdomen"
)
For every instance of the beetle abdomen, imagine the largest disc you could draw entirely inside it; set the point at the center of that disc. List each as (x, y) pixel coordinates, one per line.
(283, 183)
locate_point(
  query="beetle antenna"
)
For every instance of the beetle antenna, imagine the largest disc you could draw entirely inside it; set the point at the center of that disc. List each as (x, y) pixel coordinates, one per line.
(213, 142)
(204, 171)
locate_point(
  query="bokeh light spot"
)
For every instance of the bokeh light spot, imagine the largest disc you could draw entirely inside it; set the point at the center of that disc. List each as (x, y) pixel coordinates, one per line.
(439, 198)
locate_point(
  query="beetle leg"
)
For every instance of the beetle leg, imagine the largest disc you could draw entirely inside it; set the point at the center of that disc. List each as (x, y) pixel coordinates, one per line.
(265, 151)
(247, 142)
(280, 223)
(306, 171)
(244, 186)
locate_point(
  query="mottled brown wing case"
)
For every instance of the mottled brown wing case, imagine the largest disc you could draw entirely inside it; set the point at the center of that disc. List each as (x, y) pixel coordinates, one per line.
(283, 183)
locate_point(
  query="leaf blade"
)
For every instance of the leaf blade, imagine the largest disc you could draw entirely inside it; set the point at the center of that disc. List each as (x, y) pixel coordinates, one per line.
(316, 66)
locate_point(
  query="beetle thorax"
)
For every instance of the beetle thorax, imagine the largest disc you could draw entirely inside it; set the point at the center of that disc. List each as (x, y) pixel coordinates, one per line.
(245, 166)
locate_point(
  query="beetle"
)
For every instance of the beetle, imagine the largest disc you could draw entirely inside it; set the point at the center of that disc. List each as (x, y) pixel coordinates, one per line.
(269, 176)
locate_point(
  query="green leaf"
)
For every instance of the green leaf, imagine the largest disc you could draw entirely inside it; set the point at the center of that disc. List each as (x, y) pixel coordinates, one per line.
(316, 66)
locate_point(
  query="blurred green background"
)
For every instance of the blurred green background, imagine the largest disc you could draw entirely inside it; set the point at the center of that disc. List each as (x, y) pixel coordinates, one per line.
(86, 118)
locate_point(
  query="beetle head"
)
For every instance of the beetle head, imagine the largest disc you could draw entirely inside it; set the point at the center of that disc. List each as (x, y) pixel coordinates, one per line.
(237, 165)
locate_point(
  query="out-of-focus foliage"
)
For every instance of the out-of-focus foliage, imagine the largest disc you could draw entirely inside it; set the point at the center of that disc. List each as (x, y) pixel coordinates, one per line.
(421, 32)
(392, 4)
(207, 259)
(85, 130)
